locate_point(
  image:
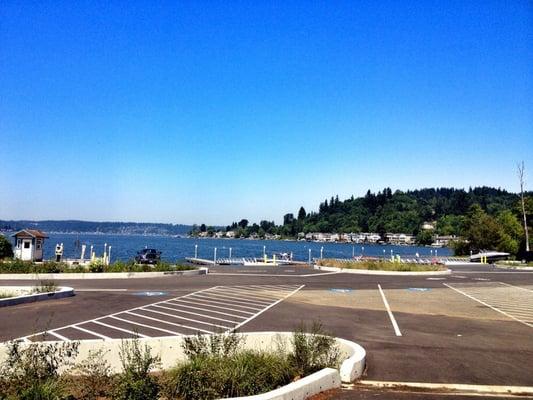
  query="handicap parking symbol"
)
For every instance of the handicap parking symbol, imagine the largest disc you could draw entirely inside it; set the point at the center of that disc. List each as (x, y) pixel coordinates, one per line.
(341, 290)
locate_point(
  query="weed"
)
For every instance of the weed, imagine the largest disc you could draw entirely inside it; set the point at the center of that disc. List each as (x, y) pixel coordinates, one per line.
(92, 377)
(45, 287)
(313, 351)
(32, 371)
(136, 382)
(211, 345)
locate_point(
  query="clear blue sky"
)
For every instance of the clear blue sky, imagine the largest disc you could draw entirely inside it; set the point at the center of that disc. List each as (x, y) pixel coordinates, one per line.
(205, 111)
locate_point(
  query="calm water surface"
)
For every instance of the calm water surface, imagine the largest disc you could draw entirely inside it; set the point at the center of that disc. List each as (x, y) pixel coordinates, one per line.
(173, 249)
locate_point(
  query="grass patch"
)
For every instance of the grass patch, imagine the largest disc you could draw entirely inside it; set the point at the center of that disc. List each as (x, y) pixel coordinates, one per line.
(380, 265)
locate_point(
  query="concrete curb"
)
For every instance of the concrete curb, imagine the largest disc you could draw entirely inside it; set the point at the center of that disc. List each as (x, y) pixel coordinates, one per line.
(451, 387)
(513, 268)
(375, 272)
(103, 275)
(325, 379)
(63, 292)
(170, 350)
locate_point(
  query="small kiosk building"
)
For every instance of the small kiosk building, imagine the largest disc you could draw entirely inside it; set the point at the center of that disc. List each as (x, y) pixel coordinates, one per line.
(29, 244)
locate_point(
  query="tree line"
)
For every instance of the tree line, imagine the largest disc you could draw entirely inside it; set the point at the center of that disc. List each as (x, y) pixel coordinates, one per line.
(484, 217)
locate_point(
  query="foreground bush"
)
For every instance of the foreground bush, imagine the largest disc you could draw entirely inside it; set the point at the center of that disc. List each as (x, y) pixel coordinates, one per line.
(216, 367)
(32, 372)
(135, 382)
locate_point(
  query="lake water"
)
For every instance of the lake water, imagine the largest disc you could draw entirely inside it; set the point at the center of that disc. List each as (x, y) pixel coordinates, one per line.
(173, 249)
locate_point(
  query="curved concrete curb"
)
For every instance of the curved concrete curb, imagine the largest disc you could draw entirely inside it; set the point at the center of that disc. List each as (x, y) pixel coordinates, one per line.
(103, 275)
(377, 272)
(325, 379)
(513, 268)
(30, 298)
(170, 350)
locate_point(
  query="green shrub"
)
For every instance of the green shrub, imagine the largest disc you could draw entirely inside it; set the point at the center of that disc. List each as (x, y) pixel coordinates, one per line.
(211, 345)
(32, 371)
(6, 248)
(136, 382)
(313, 351)
(243, 373)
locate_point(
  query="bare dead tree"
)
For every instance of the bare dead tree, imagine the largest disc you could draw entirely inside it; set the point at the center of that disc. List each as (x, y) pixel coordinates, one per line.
(521, 170)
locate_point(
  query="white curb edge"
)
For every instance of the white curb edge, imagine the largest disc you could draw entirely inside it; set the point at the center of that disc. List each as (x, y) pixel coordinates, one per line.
(62, 292)
(377, 272)
(103, 275)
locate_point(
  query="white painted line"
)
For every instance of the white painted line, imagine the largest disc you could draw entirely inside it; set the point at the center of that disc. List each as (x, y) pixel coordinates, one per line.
(224, 298)
(135, 334)
(276, 275)
(248, 293)
(267, 308)
(204, 309)
(162, 321)
(117, 313)
(392, 319)
(224, 302)
(193, 313)
(89, 332)
(146, 326)
(214, 306)
(518, 287)
(245, 299)
(188, 319)
(488, 305)
(57, 335)
(101, 290)
(170, 315)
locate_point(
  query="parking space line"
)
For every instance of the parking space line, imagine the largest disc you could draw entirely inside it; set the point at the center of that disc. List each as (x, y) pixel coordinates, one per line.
(245, 300)
(518, 287)
(89, 332)
(121, 329)
(204, 309)
(190, 319)
(488, 305)
(193, 313)
(174, 316)
(57, 335)
(161, 320)
(201, 303)
(237, 300)
(248, 293)
(146, 326)
(268, 308)
(218, 309)
(225, 302)
(391, 316)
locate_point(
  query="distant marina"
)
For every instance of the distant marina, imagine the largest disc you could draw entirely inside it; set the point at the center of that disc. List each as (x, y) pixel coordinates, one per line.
(175, 249)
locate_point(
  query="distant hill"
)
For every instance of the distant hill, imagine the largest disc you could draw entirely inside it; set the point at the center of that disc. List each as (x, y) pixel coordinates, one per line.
(73, 226)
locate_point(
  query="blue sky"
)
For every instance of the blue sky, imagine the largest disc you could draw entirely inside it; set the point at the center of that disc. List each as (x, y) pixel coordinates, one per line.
(205, 111)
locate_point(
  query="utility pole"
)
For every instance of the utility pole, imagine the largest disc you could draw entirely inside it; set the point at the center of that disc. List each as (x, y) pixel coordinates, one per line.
(521, 170)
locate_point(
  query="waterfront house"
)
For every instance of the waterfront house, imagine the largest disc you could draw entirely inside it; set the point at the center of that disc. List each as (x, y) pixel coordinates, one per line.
(400, 238)
(29, 244)
(443, 241)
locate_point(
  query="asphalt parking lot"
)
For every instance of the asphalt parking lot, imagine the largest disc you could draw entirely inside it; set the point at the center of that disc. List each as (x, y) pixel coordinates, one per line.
(474, 326)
